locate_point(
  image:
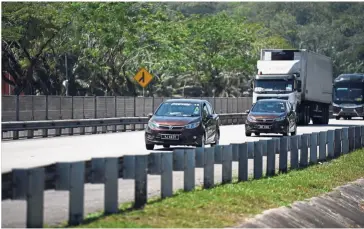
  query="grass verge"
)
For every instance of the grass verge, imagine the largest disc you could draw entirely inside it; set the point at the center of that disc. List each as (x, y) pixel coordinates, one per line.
(228, 205)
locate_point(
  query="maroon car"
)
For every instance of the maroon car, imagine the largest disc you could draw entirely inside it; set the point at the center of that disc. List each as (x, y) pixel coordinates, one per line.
(190, 122)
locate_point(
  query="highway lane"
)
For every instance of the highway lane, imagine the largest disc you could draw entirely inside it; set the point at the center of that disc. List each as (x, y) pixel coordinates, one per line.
(29, 153)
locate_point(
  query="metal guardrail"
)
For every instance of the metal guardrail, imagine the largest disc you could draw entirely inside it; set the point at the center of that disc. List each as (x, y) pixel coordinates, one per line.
(30, 127)
(30, 184)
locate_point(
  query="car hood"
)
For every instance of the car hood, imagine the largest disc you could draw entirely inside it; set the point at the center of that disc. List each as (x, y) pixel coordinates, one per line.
(260, 115)
(174, 121)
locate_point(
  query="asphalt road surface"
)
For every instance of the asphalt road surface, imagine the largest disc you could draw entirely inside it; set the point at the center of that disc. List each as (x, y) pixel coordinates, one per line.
(36, 152)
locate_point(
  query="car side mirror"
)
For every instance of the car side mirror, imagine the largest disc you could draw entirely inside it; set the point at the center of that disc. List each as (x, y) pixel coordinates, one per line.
(247, 111)
(299, 86)
(150, 115)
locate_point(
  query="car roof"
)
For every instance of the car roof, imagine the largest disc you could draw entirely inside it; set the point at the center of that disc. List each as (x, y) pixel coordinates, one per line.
(185, 101)
(272, 100)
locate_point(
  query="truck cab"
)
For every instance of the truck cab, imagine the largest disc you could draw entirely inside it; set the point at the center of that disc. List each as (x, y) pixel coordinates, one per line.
(303, 78)
(348, 96)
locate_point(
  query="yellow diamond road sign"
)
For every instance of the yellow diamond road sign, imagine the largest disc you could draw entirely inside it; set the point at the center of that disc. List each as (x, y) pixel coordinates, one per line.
(143, 77)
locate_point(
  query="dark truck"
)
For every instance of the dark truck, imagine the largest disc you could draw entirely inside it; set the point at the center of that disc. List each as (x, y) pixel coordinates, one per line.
(348, 96)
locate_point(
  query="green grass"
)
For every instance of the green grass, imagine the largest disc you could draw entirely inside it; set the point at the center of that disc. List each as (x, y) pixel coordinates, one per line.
(228, 205)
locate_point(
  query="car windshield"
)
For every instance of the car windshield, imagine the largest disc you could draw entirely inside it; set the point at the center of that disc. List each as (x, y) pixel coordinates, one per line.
(179, 109)
(273, 85)
(269, 107)
(348, 94)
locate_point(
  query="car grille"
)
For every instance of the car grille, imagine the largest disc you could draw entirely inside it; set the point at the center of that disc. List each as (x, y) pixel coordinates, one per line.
(165, 127)
(348, 109)
(264, 121)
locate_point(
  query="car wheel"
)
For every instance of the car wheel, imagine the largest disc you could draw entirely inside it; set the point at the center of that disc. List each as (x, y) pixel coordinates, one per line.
(248, 134)
(166, 146)
(257, 134)
(337, 117)
(217, 139)
(149, 146)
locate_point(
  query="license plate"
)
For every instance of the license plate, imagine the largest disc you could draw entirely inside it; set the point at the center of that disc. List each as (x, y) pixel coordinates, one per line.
(263, 127)
(170, 136)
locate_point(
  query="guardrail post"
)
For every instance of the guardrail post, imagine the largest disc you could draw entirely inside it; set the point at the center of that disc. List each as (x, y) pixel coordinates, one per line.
(313, 148)
(345, 140)
(304, 151)
(218, 154)
(258, 160)
(330, 143)
(227, 164)
(357, 144)
(271, 158)
(76, 194)
(208, 174)
(35, 197)
(30, 134)
(243, 162)
(104, 129)
(337, 143)
(166, 174)
(58, 131)
(15, 135)
(294, 152)
(189, 169)
(351, 138)
(82, 130)
(283, 155)
(111, 185)
(322, 145)
(45, 133)
(141, 167)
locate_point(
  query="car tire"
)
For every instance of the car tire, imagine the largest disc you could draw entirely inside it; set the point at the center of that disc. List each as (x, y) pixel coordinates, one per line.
(257, 134)
(217, 139)
(248, 134)
(149, 146)
(337, 117)
(166, 146)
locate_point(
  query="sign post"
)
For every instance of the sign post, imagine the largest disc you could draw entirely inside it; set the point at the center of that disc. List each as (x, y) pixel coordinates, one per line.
(143, 78)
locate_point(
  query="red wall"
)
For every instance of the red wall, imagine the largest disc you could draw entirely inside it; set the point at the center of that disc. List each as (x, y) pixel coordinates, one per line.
(7, 89)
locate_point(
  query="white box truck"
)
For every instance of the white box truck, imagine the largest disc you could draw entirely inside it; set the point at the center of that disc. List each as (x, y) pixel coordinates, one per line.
(304, 78)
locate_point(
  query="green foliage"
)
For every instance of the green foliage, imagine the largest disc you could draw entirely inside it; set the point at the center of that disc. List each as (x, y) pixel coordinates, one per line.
(209, 48)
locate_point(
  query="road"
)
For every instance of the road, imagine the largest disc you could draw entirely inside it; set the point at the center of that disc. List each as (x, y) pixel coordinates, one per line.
(36, 152)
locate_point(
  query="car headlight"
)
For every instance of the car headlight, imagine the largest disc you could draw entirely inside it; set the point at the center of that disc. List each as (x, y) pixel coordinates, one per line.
(251, 118)
(280, 118)
(192, 125)
(153, 125)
